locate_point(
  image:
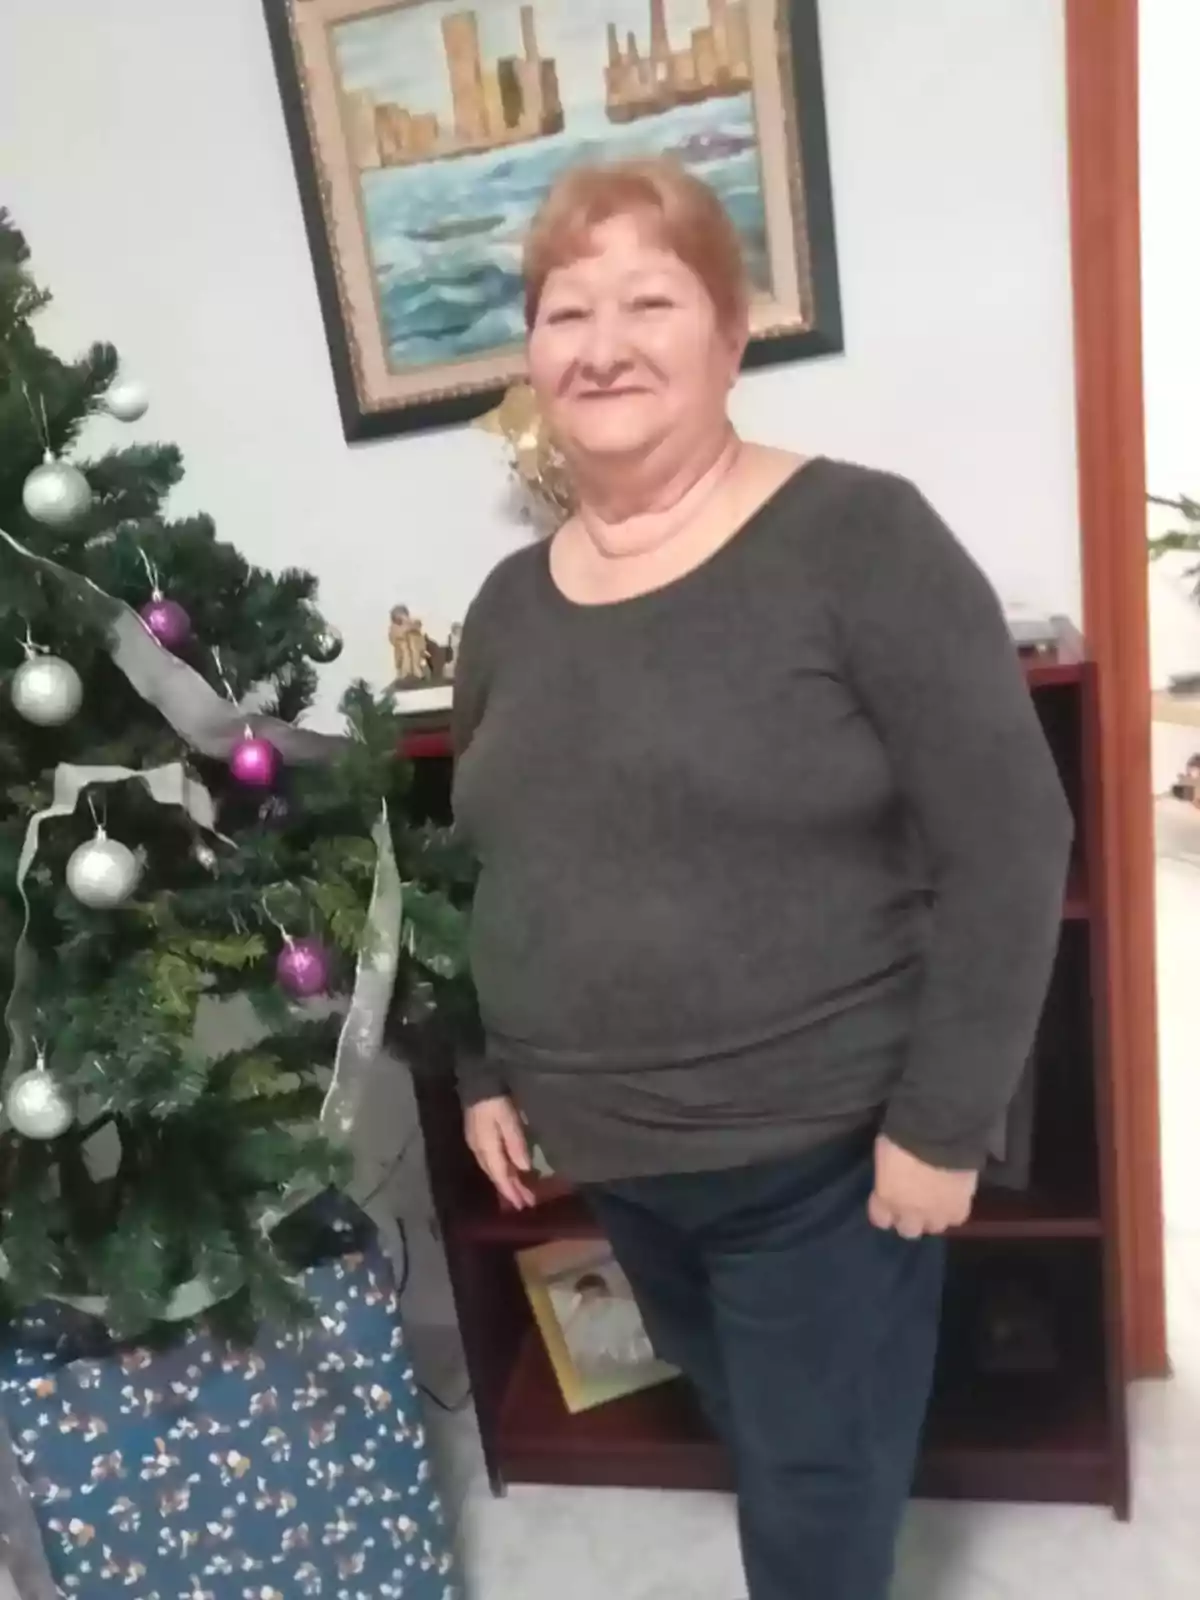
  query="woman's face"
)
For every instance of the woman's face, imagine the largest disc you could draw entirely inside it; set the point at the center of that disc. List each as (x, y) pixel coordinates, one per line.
(627, 350)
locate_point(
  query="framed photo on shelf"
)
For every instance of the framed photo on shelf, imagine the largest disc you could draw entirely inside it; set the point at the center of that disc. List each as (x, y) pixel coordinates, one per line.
(425, 134)
(589, 1323)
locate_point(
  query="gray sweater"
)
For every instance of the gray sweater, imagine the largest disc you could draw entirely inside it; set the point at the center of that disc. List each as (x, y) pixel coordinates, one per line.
(767, 855)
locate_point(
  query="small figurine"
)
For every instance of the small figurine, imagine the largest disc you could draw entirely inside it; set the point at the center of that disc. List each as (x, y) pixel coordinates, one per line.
(410, 647)
(439, 662)
(419, 660)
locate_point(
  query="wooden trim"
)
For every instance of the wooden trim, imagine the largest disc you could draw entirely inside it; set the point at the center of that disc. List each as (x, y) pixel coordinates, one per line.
(1102, 73)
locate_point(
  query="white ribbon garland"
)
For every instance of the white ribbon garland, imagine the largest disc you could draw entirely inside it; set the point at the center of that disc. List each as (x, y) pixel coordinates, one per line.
(205, 719)
(361, 1037)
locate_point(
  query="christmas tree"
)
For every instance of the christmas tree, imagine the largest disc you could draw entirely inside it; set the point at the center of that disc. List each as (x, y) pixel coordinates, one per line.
(173, 844)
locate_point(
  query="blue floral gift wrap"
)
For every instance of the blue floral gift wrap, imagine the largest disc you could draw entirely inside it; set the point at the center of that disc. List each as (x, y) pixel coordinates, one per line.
(293, 1466)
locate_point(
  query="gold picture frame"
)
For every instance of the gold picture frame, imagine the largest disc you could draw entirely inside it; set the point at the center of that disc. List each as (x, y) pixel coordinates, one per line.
(592, 1330)
(425, 132)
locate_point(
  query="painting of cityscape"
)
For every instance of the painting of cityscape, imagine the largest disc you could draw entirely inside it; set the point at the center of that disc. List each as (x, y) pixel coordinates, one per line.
(427, 132)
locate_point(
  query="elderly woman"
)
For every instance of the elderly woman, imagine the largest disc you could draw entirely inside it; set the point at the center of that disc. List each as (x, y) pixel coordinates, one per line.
(772, 858)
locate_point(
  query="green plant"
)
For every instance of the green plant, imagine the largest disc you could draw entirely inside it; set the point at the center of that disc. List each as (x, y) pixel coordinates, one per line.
(1186, 537)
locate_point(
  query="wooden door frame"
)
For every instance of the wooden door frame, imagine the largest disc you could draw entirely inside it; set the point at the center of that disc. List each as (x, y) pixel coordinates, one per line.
(1103, 105)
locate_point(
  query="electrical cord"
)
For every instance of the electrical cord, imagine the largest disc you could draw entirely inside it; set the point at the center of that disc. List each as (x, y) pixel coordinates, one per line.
(389, 1172)
(451, 1408)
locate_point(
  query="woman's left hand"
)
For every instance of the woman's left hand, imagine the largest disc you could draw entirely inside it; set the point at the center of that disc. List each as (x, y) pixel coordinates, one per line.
(914, 1198)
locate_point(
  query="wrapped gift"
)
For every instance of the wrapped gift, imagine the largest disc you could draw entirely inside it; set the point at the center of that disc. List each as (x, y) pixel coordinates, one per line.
(294, 1465)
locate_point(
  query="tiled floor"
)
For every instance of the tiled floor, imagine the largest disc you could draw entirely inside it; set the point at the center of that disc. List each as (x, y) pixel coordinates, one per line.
(544, 1543)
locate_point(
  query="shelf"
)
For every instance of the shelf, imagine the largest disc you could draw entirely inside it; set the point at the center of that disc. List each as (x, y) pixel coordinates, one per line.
(428, 734)
(1019, 1438)
(1032, 1214)
(1052, 669)
(656, 1438)
(423, 744)
(1011, 1438)
(999, 1214)
(1077, 901)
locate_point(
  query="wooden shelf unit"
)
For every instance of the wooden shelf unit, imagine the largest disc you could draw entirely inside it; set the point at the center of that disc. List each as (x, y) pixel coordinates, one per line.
(1051, 1426)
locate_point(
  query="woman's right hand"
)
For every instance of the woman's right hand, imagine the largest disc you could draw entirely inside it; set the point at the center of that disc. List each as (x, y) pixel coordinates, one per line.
(497, 1139)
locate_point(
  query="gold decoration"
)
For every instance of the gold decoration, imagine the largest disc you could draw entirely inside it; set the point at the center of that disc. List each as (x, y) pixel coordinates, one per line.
(453, 645)
(536, 461)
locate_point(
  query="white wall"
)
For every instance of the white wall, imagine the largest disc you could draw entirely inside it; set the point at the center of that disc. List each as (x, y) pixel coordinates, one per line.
(142, 149)
(1170, 161)
(1170, 43)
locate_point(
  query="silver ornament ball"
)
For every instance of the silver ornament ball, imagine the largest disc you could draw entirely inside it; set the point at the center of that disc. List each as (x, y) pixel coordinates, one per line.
(325, 646)
(205, 856)
(46, 691)
(37, 1105)
(103, 873)
(126, 399)
(56, 493)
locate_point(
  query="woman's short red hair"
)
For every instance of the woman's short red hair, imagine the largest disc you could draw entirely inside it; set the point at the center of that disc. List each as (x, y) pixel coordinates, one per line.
(681, 212)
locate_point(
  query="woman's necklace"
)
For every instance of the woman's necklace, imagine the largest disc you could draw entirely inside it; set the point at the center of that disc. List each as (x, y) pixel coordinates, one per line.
(678, 516)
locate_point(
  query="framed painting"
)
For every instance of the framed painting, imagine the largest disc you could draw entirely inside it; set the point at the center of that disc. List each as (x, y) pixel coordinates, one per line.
(426, 132)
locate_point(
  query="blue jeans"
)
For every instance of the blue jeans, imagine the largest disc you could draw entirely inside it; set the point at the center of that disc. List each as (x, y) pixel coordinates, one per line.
(810, 1337)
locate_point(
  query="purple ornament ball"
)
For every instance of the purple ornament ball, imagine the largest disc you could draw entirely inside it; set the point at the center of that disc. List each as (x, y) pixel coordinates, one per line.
(168, 622)
(255, 762)
(303, 968)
